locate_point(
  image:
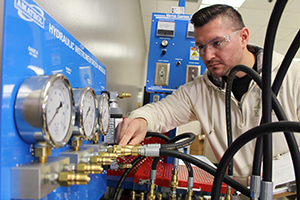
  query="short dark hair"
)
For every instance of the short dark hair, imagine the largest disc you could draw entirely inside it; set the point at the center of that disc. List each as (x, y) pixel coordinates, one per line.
(204, 15)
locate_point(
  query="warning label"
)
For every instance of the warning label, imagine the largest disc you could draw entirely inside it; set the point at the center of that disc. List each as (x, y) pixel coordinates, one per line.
(194, 55)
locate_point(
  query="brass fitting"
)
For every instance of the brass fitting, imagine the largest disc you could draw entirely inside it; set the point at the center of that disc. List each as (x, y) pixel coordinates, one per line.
(99, 160)
(125, 165)
(151, 194)
(172, 197)
(132, 195)
(88, 168)
(96, 139)
(42, 152)
(125, 151)
(228, 194)
(159, 196)
(67, 179)
(142, 196)
(189, 195)
(76, 143)
(174, 181)
(122, 95)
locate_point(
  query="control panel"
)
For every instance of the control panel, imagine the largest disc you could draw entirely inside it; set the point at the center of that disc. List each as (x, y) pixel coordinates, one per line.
(172, 61)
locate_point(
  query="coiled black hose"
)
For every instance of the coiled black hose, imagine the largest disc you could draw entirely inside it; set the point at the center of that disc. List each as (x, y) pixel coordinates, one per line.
(191, 138)
(264, 129)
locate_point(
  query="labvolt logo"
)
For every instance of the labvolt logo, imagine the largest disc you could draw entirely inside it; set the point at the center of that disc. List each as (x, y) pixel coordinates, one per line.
(30, 12)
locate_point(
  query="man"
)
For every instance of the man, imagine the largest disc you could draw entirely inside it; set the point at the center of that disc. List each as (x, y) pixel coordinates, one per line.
(222, 41)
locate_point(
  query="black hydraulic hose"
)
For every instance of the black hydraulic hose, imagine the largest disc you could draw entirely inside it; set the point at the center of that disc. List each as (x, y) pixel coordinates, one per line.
(286, 63)
(258, 152)
(168, 152)
(158, 135)
(191, 138)
(275, 88)
(290, 138)
(173, 140)
(255, 132)
(266, 87)
(124, 175)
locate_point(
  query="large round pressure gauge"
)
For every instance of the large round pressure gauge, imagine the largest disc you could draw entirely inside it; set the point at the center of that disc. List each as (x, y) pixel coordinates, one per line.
(104, 113)
(44, 110)
(86, 119)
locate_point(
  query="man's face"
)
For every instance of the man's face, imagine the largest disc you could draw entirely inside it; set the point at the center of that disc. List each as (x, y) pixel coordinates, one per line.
(219, 61)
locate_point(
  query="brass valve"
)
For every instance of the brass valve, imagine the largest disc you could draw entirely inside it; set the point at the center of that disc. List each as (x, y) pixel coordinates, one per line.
(96, 139)
(228, 193)
(88, 168)
(142, 196)
(76, 142)
(124, 95)
(174, 184)
(125, 165)
(132, 195)
(151, 194)
(99, 160)
(189, 195)
(104, 158)
(174, 180)
(66, 178)
(159, 196)
(42, 152)
(125, 151)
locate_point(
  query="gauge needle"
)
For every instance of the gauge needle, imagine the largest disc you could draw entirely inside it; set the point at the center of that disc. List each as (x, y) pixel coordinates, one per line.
(57, 109)
(86, 114)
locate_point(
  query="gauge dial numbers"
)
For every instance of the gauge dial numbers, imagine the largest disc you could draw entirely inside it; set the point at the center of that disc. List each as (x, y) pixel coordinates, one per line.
(104, 113)
(58, 111)
(44, 110)
(86, 118)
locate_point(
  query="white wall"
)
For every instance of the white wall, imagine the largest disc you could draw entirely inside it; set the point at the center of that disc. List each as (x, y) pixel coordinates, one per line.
(112, 30)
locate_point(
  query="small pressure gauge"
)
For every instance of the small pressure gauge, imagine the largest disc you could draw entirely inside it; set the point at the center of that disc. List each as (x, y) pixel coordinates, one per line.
(85, 109)
(44, 110)
(104, 113)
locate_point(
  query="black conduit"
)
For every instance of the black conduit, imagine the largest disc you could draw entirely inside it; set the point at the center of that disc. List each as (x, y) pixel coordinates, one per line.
(266, 87)
(241, 141)
(290, 138)
(167, 152)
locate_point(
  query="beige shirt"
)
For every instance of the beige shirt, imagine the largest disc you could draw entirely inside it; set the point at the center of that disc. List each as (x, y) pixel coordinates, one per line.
(203, 101)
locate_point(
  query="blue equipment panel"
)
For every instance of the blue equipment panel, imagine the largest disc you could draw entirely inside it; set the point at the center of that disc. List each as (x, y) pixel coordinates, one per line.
(35, 44)
(171, 53)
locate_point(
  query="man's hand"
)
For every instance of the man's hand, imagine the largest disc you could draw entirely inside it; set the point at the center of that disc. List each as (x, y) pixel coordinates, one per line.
(133, 130)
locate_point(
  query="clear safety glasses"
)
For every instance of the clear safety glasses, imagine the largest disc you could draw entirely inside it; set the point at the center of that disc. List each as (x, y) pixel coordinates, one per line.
(215, 44)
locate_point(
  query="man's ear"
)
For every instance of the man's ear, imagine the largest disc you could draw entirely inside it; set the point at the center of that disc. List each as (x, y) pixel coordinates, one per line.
(244, 36)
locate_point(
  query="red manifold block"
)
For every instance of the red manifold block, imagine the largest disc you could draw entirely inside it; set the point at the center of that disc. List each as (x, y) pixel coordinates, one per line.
(202, 179)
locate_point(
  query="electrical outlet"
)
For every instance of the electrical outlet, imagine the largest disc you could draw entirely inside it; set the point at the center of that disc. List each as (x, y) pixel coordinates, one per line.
(192, 71)
(162, 71)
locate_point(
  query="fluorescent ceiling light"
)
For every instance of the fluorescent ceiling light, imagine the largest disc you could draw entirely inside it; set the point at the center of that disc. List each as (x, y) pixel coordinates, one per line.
(234, 3)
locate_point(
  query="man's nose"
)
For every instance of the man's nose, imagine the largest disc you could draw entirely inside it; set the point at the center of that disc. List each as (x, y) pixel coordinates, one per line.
(209, 53)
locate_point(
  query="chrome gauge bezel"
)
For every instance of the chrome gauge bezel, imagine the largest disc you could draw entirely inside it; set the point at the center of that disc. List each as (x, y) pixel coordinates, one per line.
(104, 113)
(81, 95)
(31, 106)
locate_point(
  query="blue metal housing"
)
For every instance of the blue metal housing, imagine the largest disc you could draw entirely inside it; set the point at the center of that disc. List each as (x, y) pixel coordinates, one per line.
(35, 44)
(179, 52)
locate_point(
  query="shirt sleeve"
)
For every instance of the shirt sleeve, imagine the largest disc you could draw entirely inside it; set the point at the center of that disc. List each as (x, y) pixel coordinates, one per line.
(174, 110)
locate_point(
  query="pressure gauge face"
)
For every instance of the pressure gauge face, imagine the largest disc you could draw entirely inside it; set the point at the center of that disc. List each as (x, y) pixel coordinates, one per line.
(44, 110)
(104, 113)
(58, 111)
(86, 119)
